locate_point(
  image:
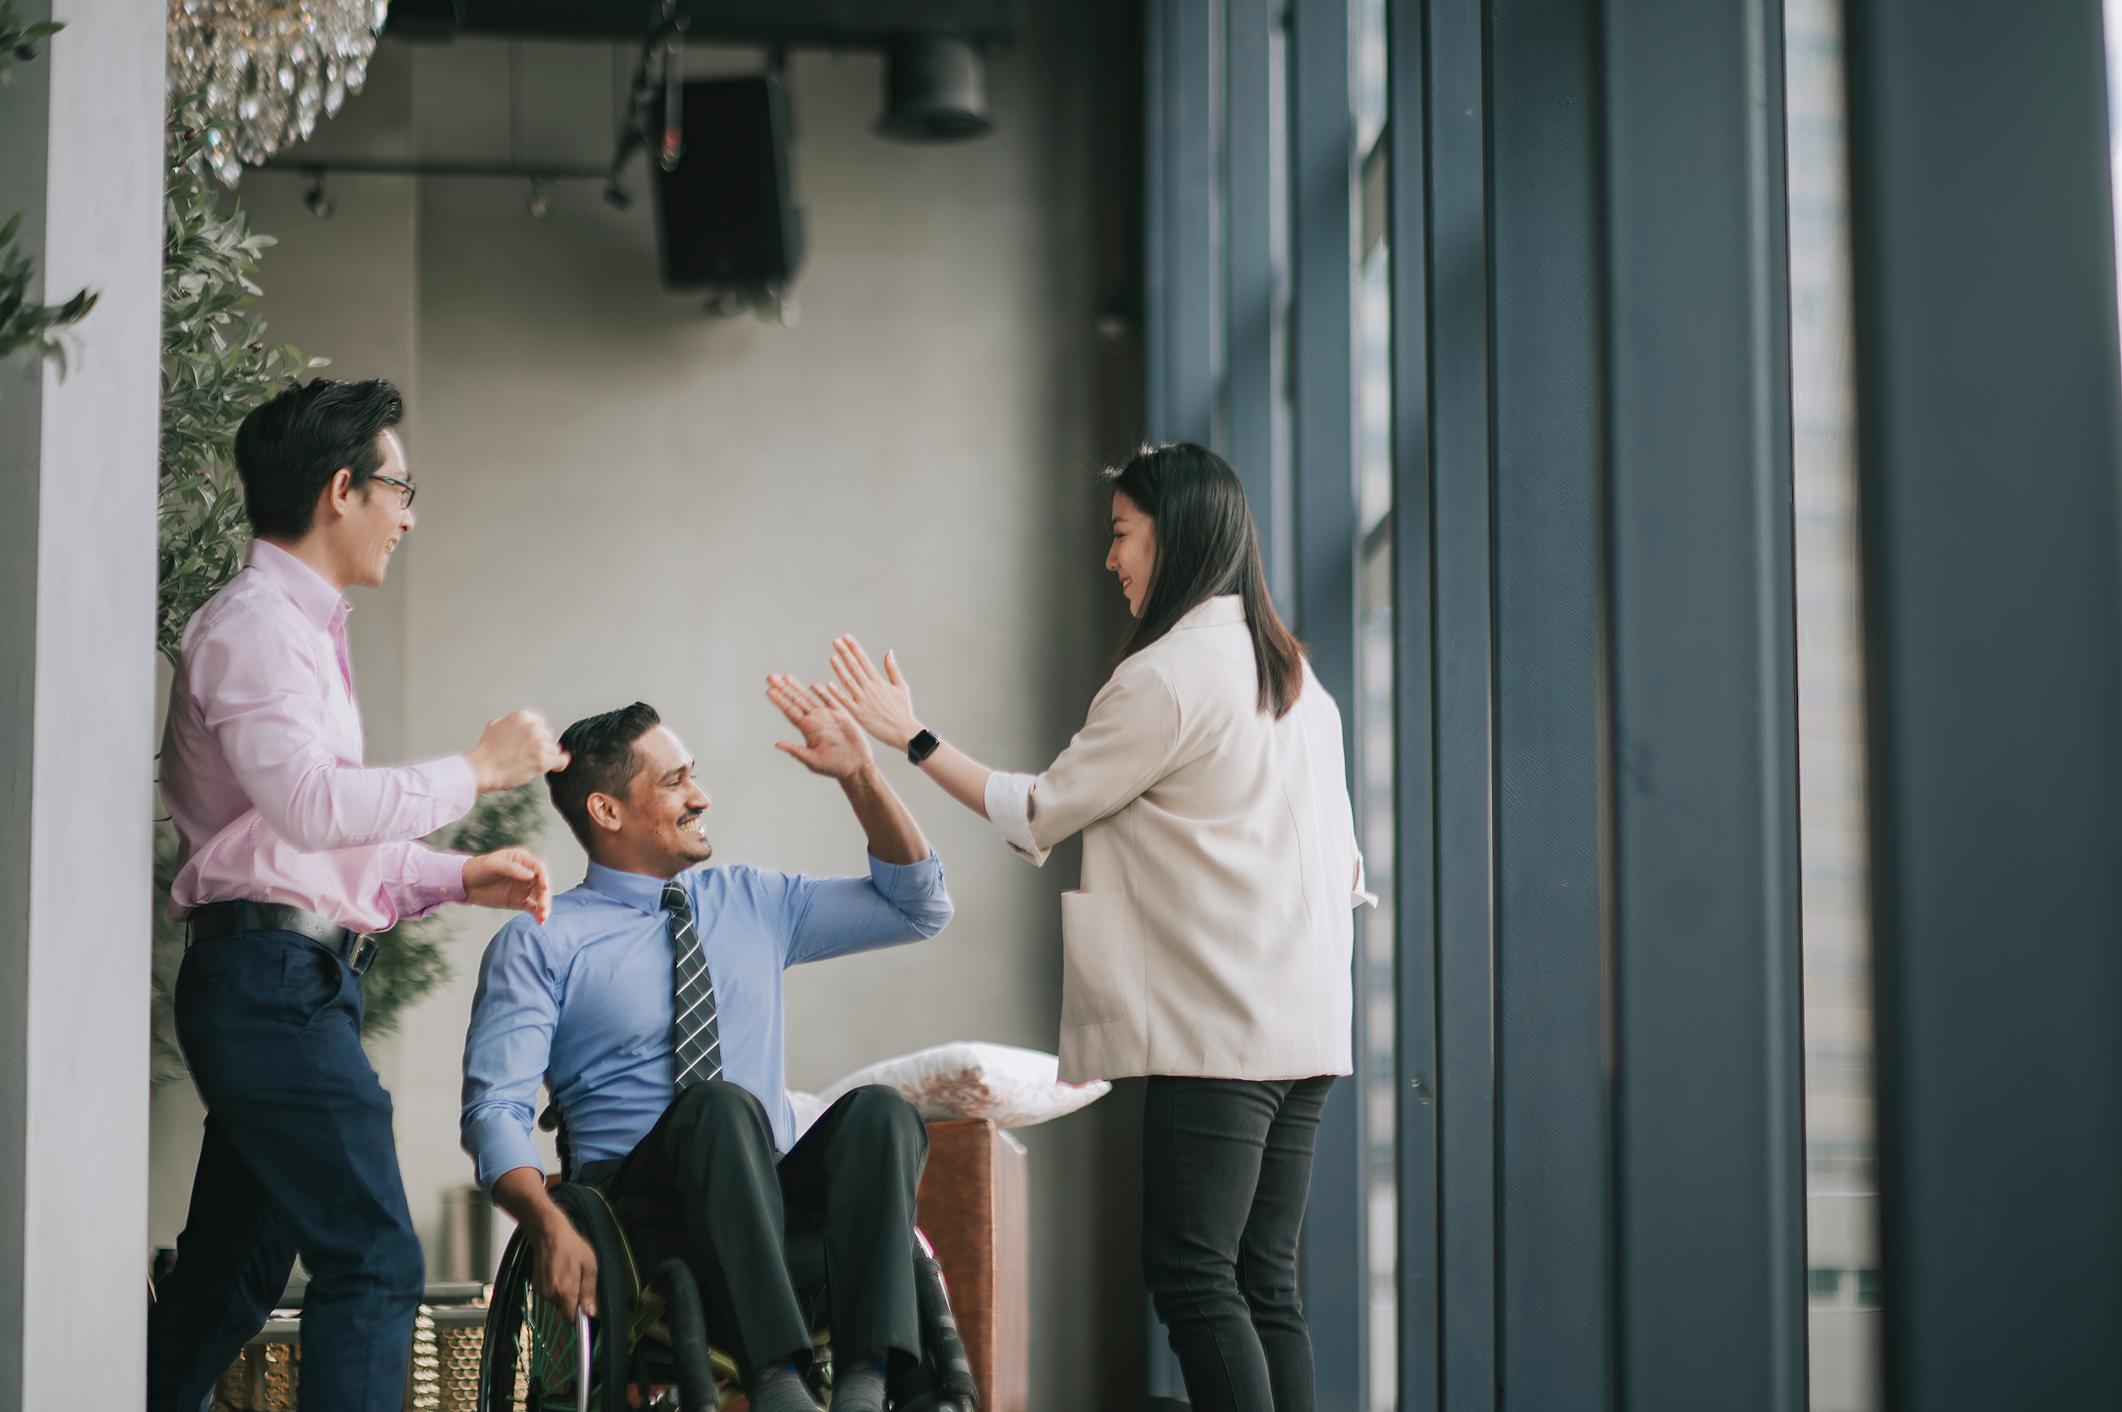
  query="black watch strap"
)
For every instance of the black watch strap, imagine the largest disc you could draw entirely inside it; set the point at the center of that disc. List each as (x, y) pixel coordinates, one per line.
(922, 746)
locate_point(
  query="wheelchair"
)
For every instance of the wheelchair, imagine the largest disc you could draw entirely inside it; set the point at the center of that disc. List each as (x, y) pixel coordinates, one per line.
(648, 1346)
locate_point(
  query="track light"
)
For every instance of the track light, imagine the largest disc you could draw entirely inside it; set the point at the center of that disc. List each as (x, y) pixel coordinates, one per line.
(317, 200)
(935, 90)
(540, 204)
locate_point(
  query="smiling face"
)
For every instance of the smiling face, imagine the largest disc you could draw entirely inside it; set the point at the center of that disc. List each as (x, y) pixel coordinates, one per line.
(657, 825)
(363, 526)
(1133, 556)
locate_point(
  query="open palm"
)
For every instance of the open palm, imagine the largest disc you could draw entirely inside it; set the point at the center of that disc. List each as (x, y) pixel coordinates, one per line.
(833, 745)
(881, 701)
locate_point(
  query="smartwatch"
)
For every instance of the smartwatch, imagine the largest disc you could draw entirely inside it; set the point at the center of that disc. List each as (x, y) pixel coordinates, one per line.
(922, 746)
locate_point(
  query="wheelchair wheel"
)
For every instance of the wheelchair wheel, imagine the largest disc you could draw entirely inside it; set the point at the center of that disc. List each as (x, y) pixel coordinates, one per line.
(941, 1380)
(692, 1360)
(532, 1357)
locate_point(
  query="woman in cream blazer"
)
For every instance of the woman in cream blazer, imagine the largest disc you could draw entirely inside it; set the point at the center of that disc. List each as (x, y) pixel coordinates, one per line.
(1208, 948)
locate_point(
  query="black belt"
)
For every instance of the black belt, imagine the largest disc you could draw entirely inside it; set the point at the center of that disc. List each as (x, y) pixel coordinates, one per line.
(217, 919)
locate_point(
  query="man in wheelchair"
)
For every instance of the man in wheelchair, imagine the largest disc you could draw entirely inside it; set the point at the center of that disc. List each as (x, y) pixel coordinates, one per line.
(650, 1004)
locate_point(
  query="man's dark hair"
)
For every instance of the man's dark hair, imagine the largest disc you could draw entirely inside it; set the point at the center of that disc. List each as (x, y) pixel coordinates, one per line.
(602, 761)
(288, 449)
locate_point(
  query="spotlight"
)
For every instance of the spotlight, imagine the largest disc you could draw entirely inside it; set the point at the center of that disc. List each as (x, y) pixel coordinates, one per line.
(319, 203)
(540, 204)
(935, 90)
(615, 196)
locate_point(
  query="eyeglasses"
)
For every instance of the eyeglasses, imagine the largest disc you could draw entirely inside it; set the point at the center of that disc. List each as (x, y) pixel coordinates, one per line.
(406, 490)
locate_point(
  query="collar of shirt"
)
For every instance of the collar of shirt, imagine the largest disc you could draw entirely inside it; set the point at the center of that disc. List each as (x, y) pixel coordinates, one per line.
(319, 601)
(1213, 613)
(636, 890)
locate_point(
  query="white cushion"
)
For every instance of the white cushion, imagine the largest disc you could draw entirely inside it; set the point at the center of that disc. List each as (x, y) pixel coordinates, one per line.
(1013, 1088)
(809, 1108)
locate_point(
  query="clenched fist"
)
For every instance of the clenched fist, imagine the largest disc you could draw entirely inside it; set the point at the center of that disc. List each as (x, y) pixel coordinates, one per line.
(515, 750)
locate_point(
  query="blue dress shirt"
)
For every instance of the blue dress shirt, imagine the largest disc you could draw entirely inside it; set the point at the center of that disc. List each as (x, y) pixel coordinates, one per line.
(583, 1003)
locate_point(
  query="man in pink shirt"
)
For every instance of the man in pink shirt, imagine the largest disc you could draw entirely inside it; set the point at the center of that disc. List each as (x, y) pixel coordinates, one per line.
(294, 852)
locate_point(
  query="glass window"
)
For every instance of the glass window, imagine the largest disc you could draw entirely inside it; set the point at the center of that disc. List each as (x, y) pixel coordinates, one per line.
(1842, 1201)
(1375, 936)
(1282, 416)
(1369, 72)
(1377, 989)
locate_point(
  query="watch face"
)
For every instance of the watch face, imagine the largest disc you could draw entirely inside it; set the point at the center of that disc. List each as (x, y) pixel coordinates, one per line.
(922, 746)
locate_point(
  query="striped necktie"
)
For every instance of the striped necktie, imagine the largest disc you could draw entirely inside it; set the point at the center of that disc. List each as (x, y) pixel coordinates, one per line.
(695, 1043)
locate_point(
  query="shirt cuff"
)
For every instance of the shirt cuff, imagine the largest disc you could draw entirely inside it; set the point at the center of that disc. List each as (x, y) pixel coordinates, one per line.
(1009, 809)
(499, 1145)
(432, 878)
(905, 882)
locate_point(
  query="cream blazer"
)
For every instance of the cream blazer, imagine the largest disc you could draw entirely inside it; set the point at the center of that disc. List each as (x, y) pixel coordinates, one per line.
(1213, 932)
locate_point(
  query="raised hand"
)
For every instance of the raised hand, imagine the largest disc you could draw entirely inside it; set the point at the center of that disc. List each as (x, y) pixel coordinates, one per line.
(881, 701)
(514, 750)
(832, 743)
(511, 878)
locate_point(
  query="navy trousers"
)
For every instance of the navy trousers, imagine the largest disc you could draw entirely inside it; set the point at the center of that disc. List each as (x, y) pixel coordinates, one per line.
(298, 1159)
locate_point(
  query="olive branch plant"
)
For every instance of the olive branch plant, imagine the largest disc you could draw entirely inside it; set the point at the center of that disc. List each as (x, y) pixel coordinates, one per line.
(26, 321)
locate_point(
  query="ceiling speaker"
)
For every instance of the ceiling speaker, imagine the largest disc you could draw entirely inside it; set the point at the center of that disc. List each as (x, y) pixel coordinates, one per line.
(726, 214)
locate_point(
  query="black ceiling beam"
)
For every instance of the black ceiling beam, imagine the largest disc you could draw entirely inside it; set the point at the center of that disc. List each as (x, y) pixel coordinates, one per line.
(813, 23)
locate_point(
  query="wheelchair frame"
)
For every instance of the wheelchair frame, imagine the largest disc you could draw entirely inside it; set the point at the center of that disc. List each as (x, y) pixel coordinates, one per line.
(533, 1361)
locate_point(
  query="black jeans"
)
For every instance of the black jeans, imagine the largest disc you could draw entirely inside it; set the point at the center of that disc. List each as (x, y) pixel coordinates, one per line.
(1226, 1170)
(712, 1155)
(298, 1156)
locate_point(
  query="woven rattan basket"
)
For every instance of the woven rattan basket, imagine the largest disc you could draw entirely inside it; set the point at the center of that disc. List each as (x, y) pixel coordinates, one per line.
(447, 1337)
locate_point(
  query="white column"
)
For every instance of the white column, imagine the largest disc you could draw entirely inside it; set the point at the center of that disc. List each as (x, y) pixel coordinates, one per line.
(81, 159)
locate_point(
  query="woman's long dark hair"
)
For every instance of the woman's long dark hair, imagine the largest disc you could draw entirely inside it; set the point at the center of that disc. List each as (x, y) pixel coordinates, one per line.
(1206, 547)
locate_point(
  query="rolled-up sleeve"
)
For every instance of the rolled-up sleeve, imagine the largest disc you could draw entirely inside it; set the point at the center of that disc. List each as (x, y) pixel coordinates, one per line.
(1129, 742)
(896, 903)
(506, 1052)
(1009, 809)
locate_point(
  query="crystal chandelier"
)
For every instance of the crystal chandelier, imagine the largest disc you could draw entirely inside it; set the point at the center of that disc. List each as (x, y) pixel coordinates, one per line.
(268, 68)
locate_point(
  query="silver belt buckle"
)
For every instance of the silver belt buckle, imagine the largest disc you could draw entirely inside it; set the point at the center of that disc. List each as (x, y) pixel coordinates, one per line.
(360, 951)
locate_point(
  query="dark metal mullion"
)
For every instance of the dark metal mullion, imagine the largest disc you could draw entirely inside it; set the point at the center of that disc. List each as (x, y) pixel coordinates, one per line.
(1414, 781)
(1554, 1276)
(1989, 481)
(1249, 277)
(1322, 145)
(1709, 1125)
(1156, 316)
(1179, 244)
(1457, 336)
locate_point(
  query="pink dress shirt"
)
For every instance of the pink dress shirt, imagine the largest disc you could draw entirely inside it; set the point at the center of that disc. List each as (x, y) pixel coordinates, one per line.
(261, 764)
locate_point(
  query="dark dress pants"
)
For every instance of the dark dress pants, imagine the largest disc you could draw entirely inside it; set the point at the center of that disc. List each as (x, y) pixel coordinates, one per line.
(1226, 1172)
(298, 1158)
(857, 1171)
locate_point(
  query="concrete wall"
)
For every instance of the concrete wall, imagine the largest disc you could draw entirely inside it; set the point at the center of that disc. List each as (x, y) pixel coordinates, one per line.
(623, 498)
(81, 161)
